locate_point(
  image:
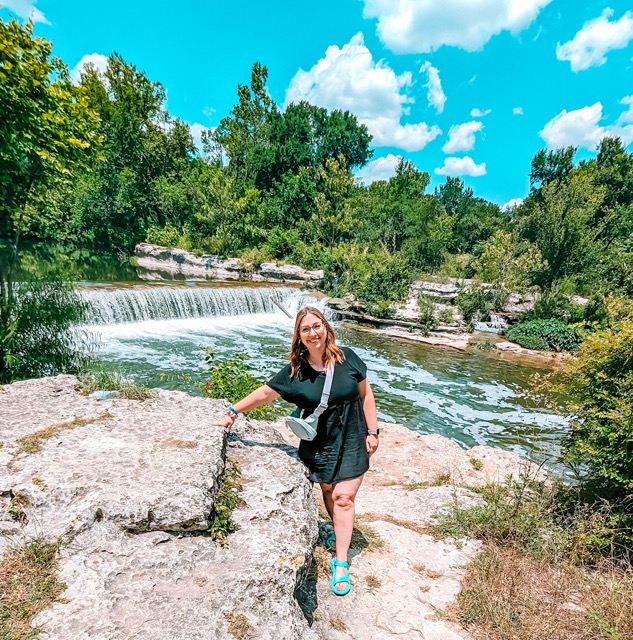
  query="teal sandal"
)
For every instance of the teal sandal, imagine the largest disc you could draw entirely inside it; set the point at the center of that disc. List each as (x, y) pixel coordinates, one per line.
(345, 578)
(329, 542)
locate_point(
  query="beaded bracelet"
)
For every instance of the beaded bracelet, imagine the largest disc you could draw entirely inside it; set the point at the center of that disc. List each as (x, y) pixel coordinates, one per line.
(233, 411)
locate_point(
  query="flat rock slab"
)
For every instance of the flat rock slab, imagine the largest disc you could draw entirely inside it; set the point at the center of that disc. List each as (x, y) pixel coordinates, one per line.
(406, 457)
(144, 465)
(415, 507)
(130, 488)
(159, 586)
(398, 591)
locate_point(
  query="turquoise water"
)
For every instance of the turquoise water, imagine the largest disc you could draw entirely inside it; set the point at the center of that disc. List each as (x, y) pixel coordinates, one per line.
(468, 397)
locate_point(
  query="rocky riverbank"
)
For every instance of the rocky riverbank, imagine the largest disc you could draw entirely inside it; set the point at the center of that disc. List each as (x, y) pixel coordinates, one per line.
(129, 488)
(162, 262)
(448, 329)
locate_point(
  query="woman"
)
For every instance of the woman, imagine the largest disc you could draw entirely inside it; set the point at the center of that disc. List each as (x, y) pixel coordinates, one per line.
(347, 432)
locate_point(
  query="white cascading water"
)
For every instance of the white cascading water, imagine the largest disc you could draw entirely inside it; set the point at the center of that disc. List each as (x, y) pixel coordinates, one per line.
(495, 324)
(139, 304)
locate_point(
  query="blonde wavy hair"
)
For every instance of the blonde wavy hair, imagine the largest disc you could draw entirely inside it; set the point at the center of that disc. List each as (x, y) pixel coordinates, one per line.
(299, 352)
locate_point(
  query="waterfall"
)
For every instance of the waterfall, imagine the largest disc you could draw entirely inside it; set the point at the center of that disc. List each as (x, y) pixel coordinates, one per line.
(136, 304)
(495, 324)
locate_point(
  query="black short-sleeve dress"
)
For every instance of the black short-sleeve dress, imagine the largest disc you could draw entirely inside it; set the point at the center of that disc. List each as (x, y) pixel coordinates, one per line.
(339, 450)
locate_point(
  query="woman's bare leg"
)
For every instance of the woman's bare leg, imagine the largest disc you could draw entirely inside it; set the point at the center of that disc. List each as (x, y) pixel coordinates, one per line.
(340, 497)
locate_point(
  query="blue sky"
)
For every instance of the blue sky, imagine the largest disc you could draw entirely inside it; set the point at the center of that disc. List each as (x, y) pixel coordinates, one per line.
(460, 87)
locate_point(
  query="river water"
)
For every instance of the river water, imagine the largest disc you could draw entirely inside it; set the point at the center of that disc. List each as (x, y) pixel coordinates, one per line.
(156, 331)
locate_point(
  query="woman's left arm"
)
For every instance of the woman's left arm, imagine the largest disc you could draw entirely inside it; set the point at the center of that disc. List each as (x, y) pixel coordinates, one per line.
(369, 409)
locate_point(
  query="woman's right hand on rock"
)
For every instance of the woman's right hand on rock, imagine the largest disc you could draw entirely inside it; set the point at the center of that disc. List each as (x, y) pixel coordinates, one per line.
(227, 422)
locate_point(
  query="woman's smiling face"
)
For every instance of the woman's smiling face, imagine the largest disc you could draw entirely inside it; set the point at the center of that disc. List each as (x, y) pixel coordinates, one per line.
(312, 332)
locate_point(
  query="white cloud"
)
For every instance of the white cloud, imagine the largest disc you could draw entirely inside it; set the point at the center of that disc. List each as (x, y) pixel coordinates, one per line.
(97, 60)
(26, 10)
(517, 111)
(410, 137)
(576, 128)
(589, 46)
(348, 78)
(378, 169)
(582, 127)
(435, 95)
(461, 167)
(421, 26)
(627, 116)
(479, 113)
(461, 137)
(512, 204)
(196, 133)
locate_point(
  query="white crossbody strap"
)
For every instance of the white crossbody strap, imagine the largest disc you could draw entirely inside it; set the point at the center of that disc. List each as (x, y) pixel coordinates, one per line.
(325, 396)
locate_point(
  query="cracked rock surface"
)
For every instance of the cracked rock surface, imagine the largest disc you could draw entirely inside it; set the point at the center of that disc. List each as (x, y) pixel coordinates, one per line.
(130, 486)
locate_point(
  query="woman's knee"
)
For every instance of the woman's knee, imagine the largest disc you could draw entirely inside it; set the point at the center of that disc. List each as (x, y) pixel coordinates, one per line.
(343, 500)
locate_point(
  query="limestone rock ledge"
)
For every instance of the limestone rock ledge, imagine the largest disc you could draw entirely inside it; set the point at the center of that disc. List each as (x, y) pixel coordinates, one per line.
(130, 487)
(158, 259)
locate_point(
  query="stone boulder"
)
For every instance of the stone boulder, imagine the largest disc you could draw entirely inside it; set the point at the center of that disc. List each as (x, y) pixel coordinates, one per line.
(177, 262)
(129, 487)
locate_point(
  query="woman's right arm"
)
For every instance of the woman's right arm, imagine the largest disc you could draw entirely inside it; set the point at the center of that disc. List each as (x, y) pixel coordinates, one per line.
(258, 398)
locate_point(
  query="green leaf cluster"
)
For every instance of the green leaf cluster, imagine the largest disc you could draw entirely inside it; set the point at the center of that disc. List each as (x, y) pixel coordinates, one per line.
(548, 335)
(38, 336)
(476, 303)
(231, 379)
(598, 387)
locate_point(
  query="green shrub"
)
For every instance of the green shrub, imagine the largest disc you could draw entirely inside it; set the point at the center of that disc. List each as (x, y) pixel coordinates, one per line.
(231, 380)
(597, 388)
(375, 277)
(445, 315)
(479, 302)
(544, 518)
(168, 236)
(252, 259)
(547, 335)
(426, 315)
(282, 243)
(38, 336)
(97, 376)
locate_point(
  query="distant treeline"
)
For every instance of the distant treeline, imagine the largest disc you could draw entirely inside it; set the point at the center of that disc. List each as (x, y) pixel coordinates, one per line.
(102, 164)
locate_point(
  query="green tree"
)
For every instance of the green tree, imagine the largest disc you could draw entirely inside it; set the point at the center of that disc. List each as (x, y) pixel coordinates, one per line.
(47, 130)
(146, 157)
(264, 144)
(550, 166)
(222, 222)
(474, 219)
(333, 219)
(245, 134)
(508, 264)
(561, 223)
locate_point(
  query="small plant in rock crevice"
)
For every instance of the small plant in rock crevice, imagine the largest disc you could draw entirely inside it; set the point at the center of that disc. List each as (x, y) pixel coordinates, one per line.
(226, 500)
(426, 315)
(239, 626)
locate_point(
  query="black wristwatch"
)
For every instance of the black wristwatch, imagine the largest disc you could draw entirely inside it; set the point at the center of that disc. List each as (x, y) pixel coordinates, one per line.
(374, 433)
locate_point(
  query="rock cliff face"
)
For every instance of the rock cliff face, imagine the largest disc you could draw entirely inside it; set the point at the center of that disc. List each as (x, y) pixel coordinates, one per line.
(130, 486)
(178, 262)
